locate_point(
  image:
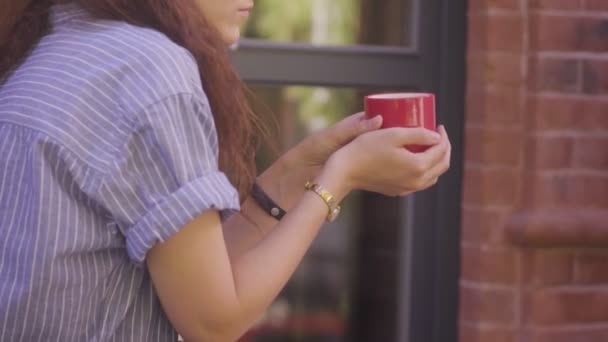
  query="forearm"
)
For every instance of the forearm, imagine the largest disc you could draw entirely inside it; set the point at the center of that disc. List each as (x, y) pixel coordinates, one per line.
(263, 270)
(284, 183)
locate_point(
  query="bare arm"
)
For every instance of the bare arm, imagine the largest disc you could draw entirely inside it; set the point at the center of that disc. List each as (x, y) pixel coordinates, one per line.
(220, 298)
(284, 180)
(284, 183)
(210, 296)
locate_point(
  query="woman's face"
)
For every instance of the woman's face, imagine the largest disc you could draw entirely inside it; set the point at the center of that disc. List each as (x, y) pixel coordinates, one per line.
(227, 16)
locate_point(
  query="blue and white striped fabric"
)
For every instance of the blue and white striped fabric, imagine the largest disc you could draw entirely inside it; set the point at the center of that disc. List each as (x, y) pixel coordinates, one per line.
(107, 147)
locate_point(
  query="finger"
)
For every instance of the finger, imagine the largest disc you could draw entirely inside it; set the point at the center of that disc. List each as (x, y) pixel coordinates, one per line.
(446, 138)
(429, 184)
(434, 155)
(413, 136)
(443, 132)
(405, 193)
(372, 124)
(348, 129)
(442, 166)
(351, 119)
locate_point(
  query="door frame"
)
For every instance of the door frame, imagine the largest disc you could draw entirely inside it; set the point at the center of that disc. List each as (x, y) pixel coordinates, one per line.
(431, 294)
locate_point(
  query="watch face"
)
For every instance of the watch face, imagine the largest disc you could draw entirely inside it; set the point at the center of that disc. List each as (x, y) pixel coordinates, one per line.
(334, 214)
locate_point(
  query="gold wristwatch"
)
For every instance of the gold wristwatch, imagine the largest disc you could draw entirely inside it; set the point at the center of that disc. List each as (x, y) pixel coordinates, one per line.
(328, 198)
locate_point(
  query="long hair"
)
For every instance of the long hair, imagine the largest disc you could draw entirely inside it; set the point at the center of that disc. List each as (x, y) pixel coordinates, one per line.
(24, 22)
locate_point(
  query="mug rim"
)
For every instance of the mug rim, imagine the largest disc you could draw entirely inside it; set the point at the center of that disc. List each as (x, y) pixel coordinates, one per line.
(398, 96)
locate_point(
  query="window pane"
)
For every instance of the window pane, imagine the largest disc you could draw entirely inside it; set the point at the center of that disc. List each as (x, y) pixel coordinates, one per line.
(316, 304)
(332, 22)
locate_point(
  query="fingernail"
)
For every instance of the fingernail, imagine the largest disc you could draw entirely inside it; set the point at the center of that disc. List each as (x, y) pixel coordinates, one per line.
(374, 122)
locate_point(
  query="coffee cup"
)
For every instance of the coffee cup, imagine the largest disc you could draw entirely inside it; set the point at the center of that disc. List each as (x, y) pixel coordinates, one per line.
(404, 110)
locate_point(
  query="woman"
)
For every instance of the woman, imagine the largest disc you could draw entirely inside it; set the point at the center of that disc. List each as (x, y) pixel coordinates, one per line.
(126, 143)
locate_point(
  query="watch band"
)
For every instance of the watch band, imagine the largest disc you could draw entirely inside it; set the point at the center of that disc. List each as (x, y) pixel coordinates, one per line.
(328, 198)
(266, 203)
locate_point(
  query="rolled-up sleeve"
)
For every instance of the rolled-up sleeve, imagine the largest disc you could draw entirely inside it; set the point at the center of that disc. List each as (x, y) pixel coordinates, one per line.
(166, 175)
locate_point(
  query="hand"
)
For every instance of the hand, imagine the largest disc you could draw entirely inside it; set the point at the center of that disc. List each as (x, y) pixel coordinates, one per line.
(285, 179)
(312, 153)
(378, 162)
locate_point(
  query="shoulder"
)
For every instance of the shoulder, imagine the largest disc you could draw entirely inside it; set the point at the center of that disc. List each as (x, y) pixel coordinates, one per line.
(146, 64)
(90, 84)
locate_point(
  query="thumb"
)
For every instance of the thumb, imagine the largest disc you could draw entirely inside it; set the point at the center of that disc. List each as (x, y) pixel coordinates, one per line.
(413, 136)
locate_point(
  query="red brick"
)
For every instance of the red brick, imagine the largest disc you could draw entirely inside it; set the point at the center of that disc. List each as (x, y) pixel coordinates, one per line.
(555, 32)
(504, 106)
(475, 104)
(487, 264)
(487, 305)
(593, 34)
(555, 74)
(569, 334)
(485, 5)
(472, 231)
(505, 33)
(591, 153)
(477, 34)
(591, 267)
(559, 306)
(565, 189)
(595, 77)
(597, 5)
(495, 32)
(547, 267)
(556, 104)
(493, 146)
(559, 113)
(504, 69)
(555, 4)
(495, 68)
(549, 152)
(495, 106)
(481, 226)
(490, 186)
(483, 333)
(504, 4)
(476, 70)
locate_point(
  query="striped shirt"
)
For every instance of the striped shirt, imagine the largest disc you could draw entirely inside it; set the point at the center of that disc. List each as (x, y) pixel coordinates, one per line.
(107, 147)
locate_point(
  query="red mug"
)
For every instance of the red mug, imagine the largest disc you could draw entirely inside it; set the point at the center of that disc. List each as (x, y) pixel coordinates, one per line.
(404, 110)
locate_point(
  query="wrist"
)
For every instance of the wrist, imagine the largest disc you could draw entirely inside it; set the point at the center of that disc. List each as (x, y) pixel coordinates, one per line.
(335, 177)
(284, 180)
(270, 183)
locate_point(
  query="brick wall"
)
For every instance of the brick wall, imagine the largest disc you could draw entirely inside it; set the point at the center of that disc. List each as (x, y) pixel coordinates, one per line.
(535, 206)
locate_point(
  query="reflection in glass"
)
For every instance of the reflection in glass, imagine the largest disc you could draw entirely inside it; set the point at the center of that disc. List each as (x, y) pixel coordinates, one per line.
(332, 22)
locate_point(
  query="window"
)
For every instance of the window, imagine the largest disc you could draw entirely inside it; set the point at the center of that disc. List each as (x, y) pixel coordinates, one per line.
(332, 22)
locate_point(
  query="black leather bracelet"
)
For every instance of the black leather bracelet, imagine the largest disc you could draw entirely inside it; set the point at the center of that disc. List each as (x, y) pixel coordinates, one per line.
(266, 203)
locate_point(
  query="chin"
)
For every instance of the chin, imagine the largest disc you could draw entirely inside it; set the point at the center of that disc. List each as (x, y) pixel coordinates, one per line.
(231, 37)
